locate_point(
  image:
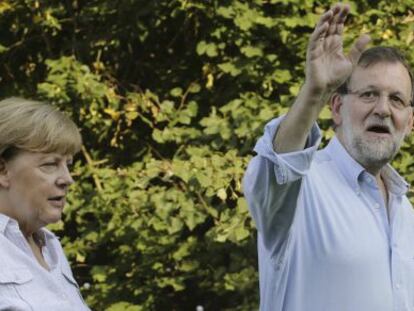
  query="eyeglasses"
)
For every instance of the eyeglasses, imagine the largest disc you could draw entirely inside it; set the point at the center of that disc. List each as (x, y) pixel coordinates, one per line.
(372, 96)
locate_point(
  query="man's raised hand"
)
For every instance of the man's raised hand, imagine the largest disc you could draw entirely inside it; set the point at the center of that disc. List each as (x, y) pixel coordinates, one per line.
(326, 65)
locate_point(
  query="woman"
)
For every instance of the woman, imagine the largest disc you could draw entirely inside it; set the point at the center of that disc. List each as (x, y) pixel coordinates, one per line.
(37, 143)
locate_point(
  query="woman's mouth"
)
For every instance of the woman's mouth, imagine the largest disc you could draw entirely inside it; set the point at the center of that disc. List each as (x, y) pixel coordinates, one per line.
(57, 201)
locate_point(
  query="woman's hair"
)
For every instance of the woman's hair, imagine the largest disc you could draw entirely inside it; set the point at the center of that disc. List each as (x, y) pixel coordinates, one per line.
(37, 127)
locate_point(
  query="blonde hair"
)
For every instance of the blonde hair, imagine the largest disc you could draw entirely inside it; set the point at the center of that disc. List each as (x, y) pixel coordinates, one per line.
(37, 127)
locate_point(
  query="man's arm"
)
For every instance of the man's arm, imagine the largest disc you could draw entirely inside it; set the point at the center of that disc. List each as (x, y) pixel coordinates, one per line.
(274, 177)
(326, 69)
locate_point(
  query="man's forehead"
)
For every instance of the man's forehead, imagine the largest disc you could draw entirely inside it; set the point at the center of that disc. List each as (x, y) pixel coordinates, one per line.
(382, 75)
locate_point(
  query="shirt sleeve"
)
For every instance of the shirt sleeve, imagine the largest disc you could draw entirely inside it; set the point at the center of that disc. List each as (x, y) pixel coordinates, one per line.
(272, 184)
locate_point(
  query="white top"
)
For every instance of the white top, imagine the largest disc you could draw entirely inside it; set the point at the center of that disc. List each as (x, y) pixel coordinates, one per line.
(24, 284)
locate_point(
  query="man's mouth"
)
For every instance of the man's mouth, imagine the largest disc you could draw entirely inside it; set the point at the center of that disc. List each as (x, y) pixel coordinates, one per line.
(379, 129)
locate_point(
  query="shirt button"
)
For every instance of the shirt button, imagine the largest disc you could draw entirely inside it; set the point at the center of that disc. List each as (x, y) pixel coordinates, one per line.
(398, 286)
(377, 206)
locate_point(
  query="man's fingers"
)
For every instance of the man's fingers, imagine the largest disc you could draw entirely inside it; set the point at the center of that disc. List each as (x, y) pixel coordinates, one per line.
(330, 23)
(341, 20)
(358, 47)
(340, 13)
(318, 35)
(325, 17)
(320, 30)
(324, 20)
(343, 13)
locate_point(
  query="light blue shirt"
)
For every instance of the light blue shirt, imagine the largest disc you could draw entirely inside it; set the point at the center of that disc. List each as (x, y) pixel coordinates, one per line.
(324, 239)
(27, 286)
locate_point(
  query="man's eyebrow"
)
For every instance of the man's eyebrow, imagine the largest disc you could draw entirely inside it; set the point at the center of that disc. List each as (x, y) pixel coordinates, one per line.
(367, 87)
(370, 86)
(378, 88)
(400, 94)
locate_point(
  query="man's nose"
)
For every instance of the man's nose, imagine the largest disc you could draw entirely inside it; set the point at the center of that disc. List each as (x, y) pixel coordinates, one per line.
(382, 107)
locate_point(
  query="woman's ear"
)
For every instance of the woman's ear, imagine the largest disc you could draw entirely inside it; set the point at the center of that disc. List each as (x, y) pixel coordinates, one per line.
(336, 104)
(4, 176)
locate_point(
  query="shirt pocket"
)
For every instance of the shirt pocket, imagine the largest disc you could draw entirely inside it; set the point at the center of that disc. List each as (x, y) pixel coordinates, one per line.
(13, 282)
(16, 276)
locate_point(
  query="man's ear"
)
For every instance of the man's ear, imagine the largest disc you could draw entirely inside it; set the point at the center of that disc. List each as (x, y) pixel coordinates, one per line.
(336, 104)
(4, 176)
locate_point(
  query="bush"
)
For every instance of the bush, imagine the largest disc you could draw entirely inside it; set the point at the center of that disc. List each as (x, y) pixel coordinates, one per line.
(170, 97)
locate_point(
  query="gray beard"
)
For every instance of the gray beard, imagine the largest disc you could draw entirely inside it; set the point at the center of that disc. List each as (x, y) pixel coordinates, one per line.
(373, 154)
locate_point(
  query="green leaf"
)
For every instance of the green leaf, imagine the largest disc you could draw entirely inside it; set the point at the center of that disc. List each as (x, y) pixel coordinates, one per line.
(229, 68)
(124, 306)
(3, 48)
(226, 12)
(221, 193)
(194, 88)
(176, 92)
(251, 51)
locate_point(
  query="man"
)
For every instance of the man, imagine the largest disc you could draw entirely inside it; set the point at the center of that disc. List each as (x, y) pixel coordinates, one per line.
(335, 229)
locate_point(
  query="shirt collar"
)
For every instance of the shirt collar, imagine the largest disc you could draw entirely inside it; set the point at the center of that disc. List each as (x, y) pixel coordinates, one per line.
(353, 172)
(395, 183)
(6, 222)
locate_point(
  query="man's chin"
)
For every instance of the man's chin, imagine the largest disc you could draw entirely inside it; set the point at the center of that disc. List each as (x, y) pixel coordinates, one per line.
(377, 153)
(377, 157)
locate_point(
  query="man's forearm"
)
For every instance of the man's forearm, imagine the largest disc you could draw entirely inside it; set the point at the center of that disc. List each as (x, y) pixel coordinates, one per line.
(294, 129)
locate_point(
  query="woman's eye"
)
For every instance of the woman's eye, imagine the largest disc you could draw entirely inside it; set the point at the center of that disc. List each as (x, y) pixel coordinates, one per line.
(49, 164)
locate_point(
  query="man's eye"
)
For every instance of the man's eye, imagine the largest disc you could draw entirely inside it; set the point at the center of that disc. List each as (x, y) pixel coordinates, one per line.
(396, 99)
(369, 94)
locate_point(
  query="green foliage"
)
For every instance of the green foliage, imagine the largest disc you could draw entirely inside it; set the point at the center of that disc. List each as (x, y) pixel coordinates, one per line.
(171, 97)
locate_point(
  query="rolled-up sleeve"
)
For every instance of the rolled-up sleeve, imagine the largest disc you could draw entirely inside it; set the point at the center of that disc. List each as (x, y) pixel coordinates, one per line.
(272, 183)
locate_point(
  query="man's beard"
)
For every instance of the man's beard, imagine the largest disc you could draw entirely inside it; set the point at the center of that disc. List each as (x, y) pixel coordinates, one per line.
(371, 152)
